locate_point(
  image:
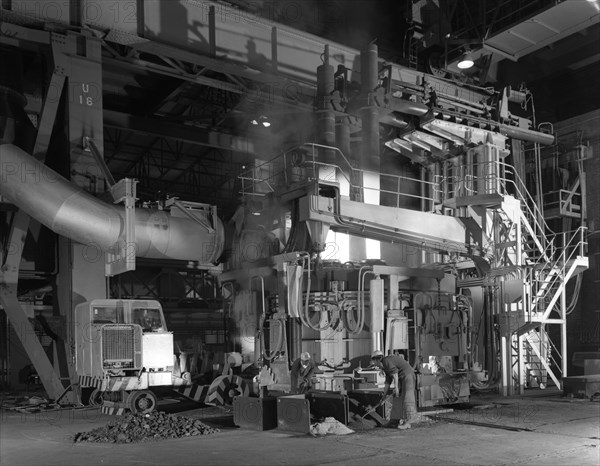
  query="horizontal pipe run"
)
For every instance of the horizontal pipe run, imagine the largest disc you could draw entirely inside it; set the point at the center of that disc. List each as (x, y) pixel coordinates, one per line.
(72, 212)
(527, 135)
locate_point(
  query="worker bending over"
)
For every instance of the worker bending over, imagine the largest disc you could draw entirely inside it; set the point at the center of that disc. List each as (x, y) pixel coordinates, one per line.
(302, 371)
(398, 370)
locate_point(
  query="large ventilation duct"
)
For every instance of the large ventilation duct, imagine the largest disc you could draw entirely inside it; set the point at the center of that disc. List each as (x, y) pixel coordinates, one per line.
(71, 212)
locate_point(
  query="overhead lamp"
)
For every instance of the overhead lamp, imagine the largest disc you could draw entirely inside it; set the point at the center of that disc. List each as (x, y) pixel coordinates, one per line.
(466, 61)
(261, 120)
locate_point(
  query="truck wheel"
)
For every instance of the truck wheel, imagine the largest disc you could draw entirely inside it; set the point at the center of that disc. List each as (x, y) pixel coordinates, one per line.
(91, 396)
(96, 398)
(141, 401)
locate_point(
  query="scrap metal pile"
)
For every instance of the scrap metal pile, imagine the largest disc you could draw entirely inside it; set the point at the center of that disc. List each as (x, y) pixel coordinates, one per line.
(133, 428)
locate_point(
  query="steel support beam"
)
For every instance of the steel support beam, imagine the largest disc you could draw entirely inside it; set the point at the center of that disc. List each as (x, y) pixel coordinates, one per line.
(9, 280)
(9, 271)
(192, 135)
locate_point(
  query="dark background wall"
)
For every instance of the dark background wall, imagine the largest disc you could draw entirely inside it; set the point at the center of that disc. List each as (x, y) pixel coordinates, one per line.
(583, 324)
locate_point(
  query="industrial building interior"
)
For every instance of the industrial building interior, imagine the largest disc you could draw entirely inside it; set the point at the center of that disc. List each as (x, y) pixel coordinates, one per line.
(193, 194)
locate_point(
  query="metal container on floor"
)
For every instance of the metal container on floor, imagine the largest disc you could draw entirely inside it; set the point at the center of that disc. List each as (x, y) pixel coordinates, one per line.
(255, 413)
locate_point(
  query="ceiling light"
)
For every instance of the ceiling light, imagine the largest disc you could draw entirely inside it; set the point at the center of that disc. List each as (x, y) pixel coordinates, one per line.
(466, 61)
(261, 120)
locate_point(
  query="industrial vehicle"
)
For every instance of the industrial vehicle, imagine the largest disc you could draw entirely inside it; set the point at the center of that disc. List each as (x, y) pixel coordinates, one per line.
(122, 350)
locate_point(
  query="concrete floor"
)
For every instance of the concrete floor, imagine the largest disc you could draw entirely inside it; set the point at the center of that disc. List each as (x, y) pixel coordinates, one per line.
(555, 431)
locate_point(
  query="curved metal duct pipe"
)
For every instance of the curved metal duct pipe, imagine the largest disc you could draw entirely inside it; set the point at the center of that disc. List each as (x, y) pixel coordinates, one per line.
(70, 211)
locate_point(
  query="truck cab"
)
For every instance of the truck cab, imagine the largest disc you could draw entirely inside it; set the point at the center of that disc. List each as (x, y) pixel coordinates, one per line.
(120, 338)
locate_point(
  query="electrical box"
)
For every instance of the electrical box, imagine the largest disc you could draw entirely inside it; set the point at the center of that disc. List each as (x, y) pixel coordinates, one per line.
(255, 413)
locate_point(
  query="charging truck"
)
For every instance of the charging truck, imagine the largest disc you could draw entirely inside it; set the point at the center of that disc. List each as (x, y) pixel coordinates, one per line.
(122, 351)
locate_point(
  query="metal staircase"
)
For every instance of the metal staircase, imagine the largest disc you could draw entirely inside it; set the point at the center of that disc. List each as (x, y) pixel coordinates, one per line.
(549, 261)
(535, 352)
(519, 244)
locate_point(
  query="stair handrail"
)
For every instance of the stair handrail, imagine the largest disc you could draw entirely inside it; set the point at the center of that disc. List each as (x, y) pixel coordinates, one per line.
(569, 250)
(525, 197)
(578, 240)
(531, 212)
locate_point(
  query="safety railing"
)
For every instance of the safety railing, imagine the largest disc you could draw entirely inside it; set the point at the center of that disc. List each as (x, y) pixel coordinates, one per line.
(535, 223)
(546, 282)
(554, 355)
(496, 177)
(302, 165)
(540, 361)
(563, 202)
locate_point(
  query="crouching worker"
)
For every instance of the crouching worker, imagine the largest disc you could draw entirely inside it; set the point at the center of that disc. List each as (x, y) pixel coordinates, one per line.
(301, 373)
(398, 370)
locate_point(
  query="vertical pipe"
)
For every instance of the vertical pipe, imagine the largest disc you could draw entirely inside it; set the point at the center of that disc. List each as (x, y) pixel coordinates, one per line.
(342, 137)
(342, 141)
(274, 49)
(325, 113)
(521, 363)
(543, 345)
(563, 329)
(76, 12)
(212, 36)
(511, 339)
(295, 340)
(582, 183)
(423, 187)
(369, 112)
(141, 20)
(376, 305)
(425, 205)
(503, 358)
(539, 187)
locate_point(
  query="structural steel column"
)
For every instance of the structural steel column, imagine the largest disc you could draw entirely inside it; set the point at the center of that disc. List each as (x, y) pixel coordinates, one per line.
(80, 268)
(9, 279)
(9, 272)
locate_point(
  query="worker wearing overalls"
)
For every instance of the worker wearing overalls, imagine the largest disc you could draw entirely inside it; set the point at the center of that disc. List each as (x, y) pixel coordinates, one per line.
(398, 370)
(301, 373)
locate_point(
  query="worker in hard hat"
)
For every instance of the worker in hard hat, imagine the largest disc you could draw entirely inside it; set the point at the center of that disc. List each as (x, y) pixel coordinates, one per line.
(399, 371)
(301, 373)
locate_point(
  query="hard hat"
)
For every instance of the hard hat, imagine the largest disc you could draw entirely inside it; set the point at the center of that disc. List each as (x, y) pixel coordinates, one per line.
(376, 354)
(305, 356)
